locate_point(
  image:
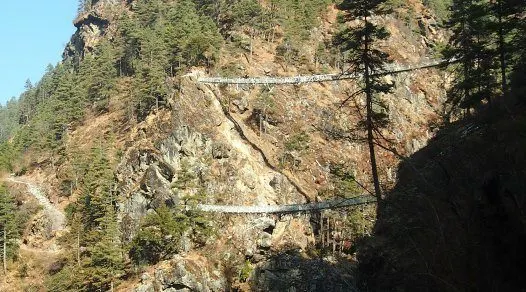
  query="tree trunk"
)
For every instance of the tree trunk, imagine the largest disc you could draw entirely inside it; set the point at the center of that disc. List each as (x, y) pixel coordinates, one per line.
(369, 101)
(502, 51)
(78, 247)
(4, 256)
(251, 46)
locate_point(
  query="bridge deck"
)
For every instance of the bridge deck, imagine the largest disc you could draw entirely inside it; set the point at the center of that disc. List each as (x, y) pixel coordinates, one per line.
(389, 69)
(296, 208)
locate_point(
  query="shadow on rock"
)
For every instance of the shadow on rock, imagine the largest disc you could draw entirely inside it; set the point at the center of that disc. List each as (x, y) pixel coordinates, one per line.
(456, 220)
(292, 271)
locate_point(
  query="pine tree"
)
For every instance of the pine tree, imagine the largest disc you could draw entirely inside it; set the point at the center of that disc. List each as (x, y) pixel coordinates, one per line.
(150, 81)
(505, 23)
(96, 190)
(98, 73)
(106, 263)
(358, 43)
(472, 45)
(8, 226)
(518, 50)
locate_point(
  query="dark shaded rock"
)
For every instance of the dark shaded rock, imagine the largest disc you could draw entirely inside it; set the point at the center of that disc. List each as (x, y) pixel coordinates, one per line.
(291, 271)
(157, 187)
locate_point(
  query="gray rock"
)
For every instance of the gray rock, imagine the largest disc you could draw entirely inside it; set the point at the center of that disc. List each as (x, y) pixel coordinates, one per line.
(241, 104)
(188, 275)
(265, 240)
(263, 223)
(145, 277)
(177, 290)
(145, 288)
(157, 187)
(185, 243)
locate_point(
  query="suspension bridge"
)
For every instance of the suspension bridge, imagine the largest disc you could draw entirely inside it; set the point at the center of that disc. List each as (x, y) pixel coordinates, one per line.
(268, 80)
(284, 209)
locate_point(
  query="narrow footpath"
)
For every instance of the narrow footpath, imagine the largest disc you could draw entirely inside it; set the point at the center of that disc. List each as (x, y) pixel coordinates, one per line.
(55, 216)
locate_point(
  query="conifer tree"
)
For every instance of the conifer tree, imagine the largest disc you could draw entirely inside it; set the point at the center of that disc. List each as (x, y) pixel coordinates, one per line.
(506, 20)
(518, 49)
(96, 189)
(106, 263)
(150, 82)
(99, 74)
(8, 226)
(363, 56)
(471, 45)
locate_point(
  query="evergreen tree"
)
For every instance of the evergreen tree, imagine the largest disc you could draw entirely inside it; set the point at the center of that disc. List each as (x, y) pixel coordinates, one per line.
(471, 44)
(483, 42)
(99, 74)
(518, 50)
(150, 81)
(158, 237)
(358, 43)
(105, 264)
(7, 156)
(8, 226)
(96, 191)
(506, 19)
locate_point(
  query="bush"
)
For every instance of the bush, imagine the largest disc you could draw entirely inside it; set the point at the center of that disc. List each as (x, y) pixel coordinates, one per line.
(161, 232)
(297, 142)
(158, 237)
(440, 7)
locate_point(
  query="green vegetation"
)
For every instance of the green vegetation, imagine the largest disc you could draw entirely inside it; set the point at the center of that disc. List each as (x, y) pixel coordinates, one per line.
(12, 224)
(158, 237)
(246, 271)
(153, 42)
(8, 228)
(297, 142)
(345, 185)
(440, 7)
(95, 261)
(161, 232)
(487, 39)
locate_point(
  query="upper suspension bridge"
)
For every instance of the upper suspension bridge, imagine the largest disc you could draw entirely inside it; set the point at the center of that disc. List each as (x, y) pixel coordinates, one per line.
(268, 80)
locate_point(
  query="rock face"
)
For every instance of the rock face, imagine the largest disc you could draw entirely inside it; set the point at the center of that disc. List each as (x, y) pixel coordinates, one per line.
(91, 25)
(293, 272)
(211, 159)
(183, 274)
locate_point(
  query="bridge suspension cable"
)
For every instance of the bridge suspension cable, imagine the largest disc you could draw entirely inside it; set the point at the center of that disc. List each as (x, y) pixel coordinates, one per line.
(294, 208)
(267, 80)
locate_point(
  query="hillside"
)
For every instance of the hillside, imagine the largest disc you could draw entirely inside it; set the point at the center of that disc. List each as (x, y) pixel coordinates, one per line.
(125, 138)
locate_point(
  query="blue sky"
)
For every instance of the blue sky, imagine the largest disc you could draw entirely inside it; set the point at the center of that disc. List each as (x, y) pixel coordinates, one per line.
(32, 35)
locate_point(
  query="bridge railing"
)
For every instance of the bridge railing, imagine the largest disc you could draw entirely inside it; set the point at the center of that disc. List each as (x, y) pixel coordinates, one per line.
(295, 208)
(389, 69)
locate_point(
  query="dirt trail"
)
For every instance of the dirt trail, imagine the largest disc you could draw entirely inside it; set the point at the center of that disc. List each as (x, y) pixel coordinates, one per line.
(55, 216)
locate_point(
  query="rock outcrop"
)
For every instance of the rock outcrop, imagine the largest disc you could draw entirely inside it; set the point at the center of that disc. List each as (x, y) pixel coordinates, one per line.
(183, 274)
